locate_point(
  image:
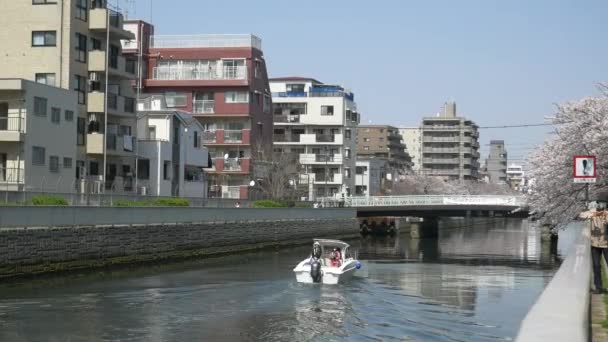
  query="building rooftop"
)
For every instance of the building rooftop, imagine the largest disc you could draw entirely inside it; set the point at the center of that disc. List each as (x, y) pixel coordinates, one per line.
(293, 78)
(206, 41)
(497, 142)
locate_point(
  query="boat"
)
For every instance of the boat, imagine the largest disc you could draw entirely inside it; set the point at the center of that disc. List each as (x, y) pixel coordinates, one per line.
(330, 262)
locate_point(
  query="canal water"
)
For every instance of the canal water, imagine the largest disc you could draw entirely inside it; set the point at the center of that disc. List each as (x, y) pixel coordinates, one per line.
(475, 282)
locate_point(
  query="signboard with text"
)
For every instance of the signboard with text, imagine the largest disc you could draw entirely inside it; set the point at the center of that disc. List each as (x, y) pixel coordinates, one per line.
(584, 169)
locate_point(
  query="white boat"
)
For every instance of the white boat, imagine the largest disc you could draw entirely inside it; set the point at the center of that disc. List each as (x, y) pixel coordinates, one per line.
(325, 265)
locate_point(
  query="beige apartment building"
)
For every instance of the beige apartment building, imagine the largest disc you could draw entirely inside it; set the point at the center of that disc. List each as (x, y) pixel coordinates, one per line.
(386, 143)
(76, 45)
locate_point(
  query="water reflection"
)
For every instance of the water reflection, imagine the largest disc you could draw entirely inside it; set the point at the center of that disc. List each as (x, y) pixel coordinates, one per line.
(475, 282)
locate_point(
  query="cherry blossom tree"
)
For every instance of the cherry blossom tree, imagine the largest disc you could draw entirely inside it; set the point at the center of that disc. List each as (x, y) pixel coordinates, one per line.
(581, 128)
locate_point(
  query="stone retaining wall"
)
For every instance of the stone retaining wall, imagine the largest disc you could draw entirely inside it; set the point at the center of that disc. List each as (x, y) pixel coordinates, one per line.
(26, 251)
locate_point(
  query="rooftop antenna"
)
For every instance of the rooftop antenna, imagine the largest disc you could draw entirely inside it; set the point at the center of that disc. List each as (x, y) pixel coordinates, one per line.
(130, 8)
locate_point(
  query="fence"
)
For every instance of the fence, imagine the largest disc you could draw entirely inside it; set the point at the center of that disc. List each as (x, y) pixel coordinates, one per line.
(425, 200)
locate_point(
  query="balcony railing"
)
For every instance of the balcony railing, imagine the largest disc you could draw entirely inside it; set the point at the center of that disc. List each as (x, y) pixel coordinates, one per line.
(290, 94)
(11, 175)
(209, 137)
(203, 106)
(206, 41)
(233, 192)
(232, 165)
(286, 138)
(286, 118)
(13, 124)
(194, 74)
(233, 136)
(325, 138)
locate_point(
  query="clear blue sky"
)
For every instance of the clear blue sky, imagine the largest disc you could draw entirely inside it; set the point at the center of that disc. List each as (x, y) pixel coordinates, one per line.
(503, 62)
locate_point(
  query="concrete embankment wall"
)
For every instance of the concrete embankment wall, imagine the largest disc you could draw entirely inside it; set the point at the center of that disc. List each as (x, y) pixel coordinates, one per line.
(48, 239)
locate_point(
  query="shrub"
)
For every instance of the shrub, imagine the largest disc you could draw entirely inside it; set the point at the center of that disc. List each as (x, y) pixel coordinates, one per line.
(304, 205)
(268, 204)
(171, 202)
(127, 203)
(49, 200)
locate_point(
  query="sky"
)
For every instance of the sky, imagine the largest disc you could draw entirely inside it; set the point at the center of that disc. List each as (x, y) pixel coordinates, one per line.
(503, 62)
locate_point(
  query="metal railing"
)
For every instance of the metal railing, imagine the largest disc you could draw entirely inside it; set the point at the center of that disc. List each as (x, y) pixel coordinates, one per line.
(203, 106)
(232, 165)
(290, 94)
(193, 74)
(13, 124)
(206, 41)
(286, 138)
(209, 137)
(286, 118)
(9, 175)
(233, 136)
(430, 200)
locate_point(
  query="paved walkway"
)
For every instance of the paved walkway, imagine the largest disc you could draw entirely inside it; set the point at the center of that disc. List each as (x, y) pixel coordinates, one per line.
(598, 315)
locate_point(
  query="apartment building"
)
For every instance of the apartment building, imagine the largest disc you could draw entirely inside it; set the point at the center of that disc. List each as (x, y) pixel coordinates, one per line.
(383, 142)
(317, 122)
(516, 176)
(371, 177)
(497, 162)
(412, 139)
(171, 155)
(222, 81)
(37, 135)
(75, 45)
(450, 146)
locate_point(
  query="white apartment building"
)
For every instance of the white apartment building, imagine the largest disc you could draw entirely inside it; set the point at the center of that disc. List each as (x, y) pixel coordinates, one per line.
(171, 156)
(516, 176)
(37, 135)
(76, 45)
(371, 176)
(412, 139)
(318, 123)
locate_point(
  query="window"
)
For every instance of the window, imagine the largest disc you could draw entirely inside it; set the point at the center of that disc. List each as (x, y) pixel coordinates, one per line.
(38, 155)
(93, 168)
(152, 132)
(44, 38)
(54, 164)
(55, 115)
(237, 97)
(289, 108)
(44, 2)
(366, 148)
(196, 143)
(257, 71)
(176, 99)
(40, 106)
(113, 58)
(347, 134)
(327, 110)
(381, 139)
(295, 88)
(69, 115)
(46, 78)
(80, 85)
(258, 98)
(366, 139)
(81, 9)
(267, 103)
(80, 131)
(67, 163)
(95, 44)
(166, 166)
(81, 48)
(143, 169)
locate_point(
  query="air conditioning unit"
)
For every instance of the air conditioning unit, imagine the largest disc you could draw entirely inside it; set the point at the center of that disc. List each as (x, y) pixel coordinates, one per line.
(93, 76)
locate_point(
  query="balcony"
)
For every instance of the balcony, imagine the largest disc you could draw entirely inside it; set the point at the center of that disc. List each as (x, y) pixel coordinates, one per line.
(441, 127)
(454, 139)
(290, 94)
(203, 106)
(12, 128)
(193, 74)
(282, 138)
(442, 172)
(227, 137)
(206, 41)
(115, 144)
(98, 21)
(117, 105)
(426, 149)
(311, 158)
(209, 137)
(11, 175)
(233, 136)
(119, 66)
(286, 119)
(332, 178)
(441, 160)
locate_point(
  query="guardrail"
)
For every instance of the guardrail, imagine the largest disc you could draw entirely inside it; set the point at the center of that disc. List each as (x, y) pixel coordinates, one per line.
(430, 200)
(562, 311)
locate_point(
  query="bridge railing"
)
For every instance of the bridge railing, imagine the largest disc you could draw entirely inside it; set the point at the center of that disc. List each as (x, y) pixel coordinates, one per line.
(426, 200)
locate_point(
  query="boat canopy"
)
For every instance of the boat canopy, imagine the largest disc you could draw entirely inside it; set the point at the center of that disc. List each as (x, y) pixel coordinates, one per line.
(332, 243)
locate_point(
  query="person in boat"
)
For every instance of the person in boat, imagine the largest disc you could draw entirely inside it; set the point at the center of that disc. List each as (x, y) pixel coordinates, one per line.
(336, 257)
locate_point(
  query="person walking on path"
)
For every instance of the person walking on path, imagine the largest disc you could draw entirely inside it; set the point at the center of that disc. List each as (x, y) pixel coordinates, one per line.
(598, 218)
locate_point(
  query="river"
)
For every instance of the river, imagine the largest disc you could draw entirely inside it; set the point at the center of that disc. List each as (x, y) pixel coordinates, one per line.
(475, 282)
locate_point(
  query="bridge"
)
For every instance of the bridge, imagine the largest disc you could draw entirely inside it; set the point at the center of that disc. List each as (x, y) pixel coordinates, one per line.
(433, 205)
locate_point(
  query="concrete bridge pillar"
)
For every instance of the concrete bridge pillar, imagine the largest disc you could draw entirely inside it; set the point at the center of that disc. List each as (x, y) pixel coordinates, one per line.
(547, 233)
(429, 227)
(491, 213)
(468, 214)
